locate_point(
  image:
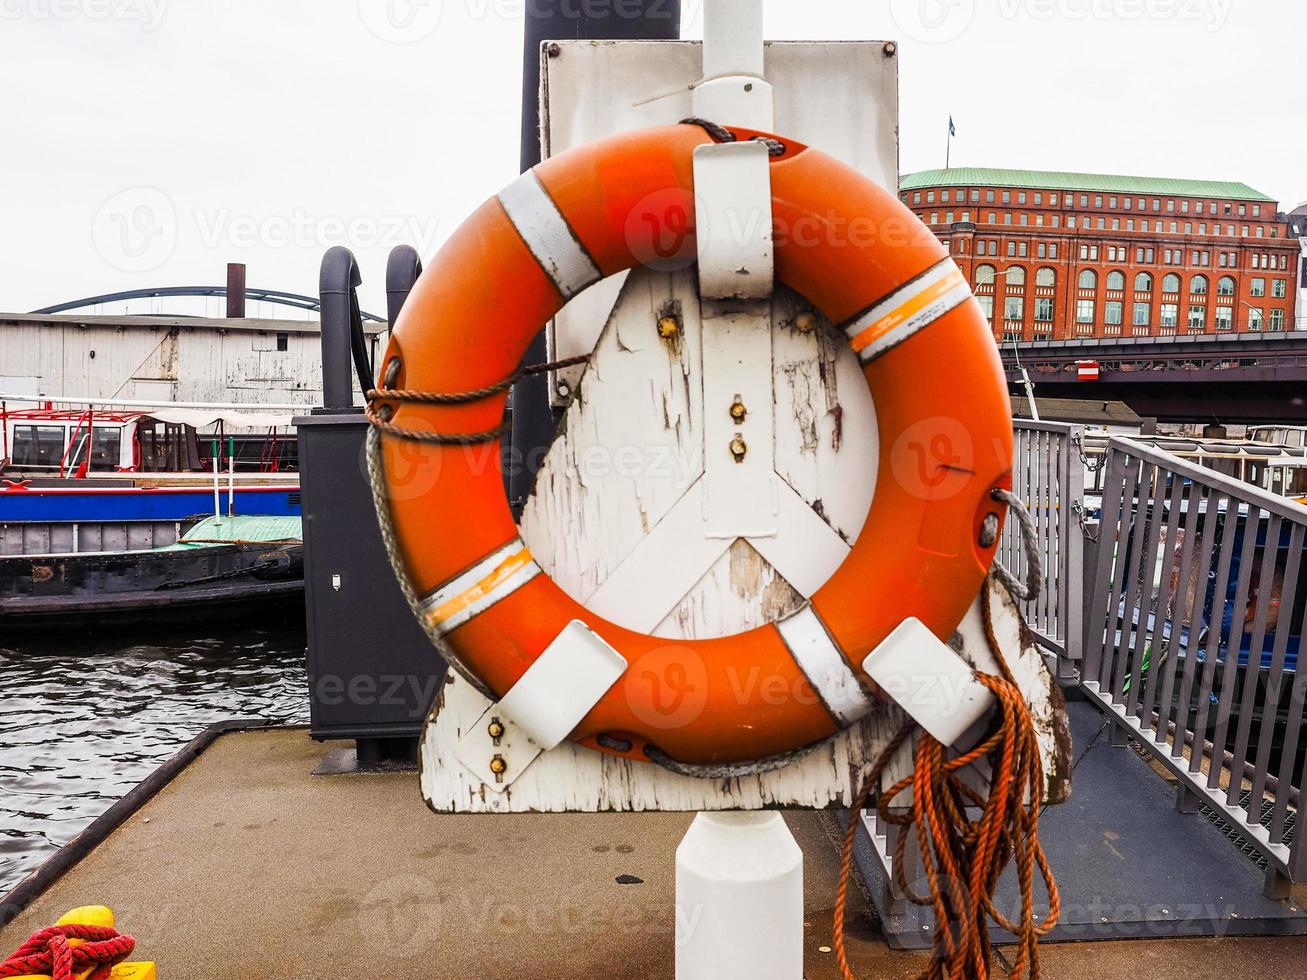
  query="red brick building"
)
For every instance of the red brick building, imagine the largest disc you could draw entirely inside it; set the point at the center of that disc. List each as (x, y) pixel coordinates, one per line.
(1059, 255)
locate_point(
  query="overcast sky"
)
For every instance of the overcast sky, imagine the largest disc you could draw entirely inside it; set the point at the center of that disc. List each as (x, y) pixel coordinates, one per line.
(148, 142)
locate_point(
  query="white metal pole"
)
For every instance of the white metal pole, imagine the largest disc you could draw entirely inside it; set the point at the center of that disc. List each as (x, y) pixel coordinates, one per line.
(231, 483)
(217, 499)
(739, 876)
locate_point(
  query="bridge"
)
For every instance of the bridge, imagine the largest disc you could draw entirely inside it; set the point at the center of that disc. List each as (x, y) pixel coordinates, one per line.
(1201, 378)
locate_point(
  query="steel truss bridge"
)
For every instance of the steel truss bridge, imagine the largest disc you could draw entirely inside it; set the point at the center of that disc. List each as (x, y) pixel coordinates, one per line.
(1227, 378)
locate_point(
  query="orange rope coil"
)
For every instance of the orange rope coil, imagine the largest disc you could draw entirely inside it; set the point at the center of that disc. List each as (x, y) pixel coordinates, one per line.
(963, 858)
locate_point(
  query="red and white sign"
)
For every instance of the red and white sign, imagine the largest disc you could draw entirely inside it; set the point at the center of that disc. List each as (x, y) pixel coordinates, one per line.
(1087, 370)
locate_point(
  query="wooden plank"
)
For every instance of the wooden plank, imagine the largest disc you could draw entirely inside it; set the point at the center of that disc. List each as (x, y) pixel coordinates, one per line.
(574, 779)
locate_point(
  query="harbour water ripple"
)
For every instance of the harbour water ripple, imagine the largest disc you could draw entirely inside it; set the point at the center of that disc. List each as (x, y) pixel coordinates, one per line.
(82, 721)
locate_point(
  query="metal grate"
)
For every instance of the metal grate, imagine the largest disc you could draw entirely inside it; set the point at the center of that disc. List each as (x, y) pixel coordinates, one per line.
(1236, 835)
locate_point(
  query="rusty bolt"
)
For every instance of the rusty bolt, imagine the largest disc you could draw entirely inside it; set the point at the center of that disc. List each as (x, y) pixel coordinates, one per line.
(496, 728)
(668, 327)
(738, 411)
(890, 49)
(498, 766)
(554, 49)
(739, 448)
(805, 322)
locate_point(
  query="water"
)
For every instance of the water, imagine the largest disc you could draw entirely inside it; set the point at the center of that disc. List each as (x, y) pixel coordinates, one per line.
(84, 719)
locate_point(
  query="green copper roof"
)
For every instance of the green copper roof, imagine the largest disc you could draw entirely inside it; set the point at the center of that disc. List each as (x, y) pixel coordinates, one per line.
(1045, 180)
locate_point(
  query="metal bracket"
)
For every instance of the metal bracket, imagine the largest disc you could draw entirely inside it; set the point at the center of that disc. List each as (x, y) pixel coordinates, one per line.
(542, 708)
(733, 220)
(929, 681)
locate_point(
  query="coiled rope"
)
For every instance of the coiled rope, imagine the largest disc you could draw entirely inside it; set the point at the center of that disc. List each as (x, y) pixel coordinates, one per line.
(48, 952)
(963, 857)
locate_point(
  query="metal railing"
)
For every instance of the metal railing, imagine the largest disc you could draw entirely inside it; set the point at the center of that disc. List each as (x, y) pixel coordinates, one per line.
(1192, 637)
(1048, 473)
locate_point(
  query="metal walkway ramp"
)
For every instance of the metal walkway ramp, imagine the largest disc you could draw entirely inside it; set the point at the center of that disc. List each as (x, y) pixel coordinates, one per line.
(1128, 863)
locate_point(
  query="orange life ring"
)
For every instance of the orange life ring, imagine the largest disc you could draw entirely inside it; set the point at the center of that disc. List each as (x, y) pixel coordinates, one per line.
(851, 249)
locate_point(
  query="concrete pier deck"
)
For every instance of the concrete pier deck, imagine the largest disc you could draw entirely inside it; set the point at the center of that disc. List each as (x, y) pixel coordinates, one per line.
(247, 865)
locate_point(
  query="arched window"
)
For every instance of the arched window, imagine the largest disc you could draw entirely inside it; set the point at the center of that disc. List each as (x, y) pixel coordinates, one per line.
(1226, 286)
(985, 275)
(1144, 283)
(1088, 279)
(1047, 276)
(1171, 283)
(1015, 276)
(1116, 280)
(1198, 285)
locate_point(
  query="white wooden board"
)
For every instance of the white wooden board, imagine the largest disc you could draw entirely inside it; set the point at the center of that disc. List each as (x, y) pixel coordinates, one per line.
(574, 779)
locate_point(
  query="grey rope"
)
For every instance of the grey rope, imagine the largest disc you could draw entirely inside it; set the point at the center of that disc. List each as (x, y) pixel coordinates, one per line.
(721, 134)
(377, 479)
(1028, 590)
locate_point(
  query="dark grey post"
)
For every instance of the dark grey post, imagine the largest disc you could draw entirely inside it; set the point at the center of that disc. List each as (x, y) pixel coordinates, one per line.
(337, 280)
(557, 20)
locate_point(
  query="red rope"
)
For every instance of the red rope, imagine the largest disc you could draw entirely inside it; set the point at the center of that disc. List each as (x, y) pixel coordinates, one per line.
(48, 952)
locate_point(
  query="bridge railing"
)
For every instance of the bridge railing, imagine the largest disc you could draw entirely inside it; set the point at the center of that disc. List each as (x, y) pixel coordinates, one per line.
(1048, 473)
(1192, 637)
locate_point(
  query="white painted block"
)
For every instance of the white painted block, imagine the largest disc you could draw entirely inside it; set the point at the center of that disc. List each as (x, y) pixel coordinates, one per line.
(733, 220)
(929, 681)
(739, 899)
(543, 707)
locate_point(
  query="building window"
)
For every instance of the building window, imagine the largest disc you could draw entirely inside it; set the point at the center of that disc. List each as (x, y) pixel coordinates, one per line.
(1052, 248)
(1169, 315)
(986, 301)
(1014, 308)
(1015, 276)
(1171, 284)
(283, 341)
(1044, 309)
(1046, 276)
(1007, 218)
(985, 275)
(1257, 287)
(1277, 320)
(1021, 198)
(1224, 318)
(1039, 197)
(1011, 250)
(989, 197)
(1088, 279)
(1225, 286)
(1254, 318)
(1112, 312)
(1116, 280)
(1142, 314)
(1052, 200)
(1157, 205)
(1278, 287)
(1084, 200)
(930, 197)
(1023, 248)
(1197, 318)
(916, 198)
(1042, 250)
(1007, 197)
(944, 197)
(1198, 285)
(1144, 283)
(1085, 311)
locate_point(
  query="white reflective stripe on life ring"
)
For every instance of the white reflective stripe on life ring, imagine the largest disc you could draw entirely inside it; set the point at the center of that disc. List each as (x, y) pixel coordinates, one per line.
(472, 592)
(912, 307)
(825, 666)
(548, 235)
